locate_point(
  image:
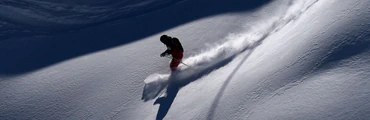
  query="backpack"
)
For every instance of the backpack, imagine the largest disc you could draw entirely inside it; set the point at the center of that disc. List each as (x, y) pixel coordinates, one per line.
(178, 44)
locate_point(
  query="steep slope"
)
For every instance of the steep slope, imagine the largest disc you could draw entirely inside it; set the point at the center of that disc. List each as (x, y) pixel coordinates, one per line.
(299, 59)
(314, 68)
(63, 77)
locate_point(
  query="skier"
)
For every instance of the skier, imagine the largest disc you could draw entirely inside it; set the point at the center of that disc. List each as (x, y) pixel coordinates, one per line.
(174, 48)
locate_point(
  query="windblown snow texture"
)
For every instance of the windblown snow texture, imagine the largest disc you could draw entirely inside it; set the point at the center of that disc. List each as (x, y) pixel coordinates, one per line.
(248, 59)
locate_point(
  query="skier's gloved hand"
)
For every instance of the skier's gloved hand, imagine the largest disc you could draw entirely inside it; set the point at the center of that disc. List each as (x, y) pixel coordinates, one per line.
(163, 54)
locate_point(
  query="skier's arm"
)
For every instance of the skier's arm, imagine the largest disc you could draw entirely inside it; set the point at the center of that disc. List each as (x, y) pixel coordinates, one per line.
(167, 52)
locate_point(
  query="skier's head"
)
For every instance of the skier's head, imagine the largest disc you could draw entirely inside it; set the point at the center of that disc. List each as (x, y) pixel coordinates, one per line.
(165, 39)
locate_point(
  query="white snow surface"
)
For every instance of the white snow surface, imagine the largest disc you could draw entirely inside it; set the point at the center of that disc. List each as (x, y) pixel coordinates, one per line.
(298, 59)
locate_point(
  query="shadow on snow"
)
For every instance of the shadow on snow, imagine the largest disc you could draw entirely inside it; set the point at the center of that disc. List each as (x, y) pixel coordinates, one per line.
(22, 55)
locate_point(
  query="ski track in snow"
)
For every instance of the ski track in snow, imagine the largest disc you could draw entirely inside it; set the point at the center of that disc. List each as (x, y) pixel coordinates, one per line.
(216, 57)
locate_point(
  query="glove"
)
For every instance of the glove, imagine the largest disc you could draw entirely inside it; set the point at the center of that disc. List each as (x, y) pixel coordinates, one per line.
(163, 54)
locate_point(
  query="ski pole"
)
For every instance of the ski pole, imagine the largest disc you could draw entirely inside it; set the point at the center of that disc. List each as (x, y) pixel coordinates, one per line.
(176, 59)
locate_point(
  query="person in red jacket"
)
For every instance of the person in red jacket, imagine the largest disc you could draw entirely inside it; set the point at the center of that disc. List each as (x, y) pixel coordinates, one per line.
(174, 48)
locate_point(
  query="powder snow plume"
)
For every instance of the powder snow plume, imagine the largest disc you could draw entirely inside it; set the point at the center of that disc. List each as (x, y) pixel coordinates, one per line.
(216, 57)
(237, 43)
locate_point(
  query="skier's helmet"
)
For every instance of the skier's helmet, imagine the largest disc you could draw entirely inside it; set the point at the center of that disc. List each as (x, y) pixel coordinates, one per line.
(165, 39)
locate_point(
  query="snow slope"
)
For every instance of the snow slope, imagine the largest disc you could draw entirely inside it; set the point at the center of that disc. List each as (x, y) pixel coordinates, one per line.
(301, 59)
(316, 71)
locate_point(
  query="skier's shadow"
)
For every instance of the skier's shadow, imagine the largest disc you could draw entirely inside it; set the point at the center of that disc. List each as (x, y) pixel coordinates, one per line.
(175, 84)
(166, 102)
